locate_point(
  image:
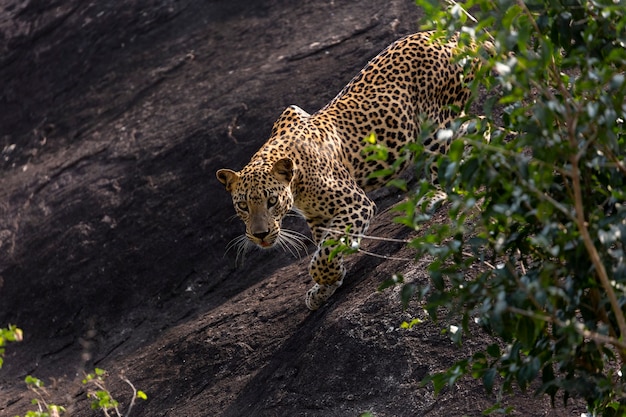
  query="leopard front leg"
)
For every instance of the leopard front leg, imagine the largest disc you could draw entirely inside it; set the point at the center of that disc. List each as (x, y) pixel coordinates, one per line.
(328, 276)
(328, 273)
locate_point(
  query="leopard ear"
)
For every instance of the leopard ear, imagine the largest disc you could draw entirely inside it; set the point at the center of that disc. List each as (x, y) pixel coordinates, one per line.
(283, 170)
(292, 114)
(227, 177)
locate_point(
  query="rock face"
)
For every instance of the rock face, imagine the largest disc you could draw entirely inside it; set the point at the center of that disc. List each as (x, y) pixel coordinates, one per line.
(114, 117)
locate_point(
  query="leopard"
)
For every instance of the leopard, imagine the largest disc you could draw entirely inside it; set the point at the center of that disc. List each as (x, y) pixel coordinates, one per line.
(314, 164)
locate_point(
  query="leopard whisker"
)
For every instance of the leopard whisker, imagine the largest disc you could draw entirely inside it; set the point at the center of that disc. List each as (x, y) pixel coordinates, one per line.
(300, 236)
(287, 248)
(242, 244)
(294, 214)
(293, 242)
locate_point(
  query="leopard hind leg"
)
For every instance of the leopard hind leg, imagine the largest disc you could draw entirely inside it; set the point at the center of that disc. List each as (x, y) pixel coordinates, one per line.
(438, 144)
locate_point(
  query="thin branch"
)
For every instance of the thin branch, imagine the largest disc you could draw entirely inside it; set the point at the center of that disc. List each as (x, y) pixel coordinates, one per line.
(363, 236)
(134, 397)
(595, 256)
(465, 12)
(521, 262)
(614, 159)
(488, 264)
(470, 17)
(390, 258)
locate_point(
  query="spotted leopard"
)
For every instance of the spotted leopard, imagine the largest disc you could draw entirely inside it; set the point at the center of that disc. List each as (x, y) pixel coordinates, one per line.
(315, 165)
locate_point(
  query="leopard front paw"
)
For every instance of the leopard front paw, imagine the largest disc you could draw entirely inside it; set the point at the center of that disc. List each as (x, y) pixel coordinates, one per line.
(318, 294)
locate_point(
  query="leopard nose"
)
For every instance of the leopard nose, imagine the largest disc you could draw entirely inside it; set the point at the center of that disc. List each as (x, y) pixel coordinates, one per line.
(261, 235)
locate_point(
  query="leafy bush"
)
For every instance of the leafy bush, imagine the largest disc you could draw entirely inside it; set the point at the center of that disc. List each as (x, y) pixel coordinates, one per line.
(540, 206)
(10, 334)
(102, 399)
(101, 396)
(44, 408)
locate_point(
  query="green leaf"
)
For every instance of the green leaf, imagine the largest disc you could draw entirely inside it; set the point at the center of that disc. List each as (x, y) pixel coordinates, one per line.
(489, 379)
(31, 380)
(455, 153)
(494, 350)
(437, 278)
(526, 330)
(406, 294)
(439, 381)
(398, 183)
(412, 323)
(371, 138)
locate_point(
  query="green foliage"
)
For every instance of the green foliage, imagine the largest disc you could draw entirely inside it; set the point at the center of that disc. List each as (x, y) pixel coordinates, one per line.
(54, 411)
(409, 325)
(344, 245)
(10, 334)
(101, 396)
(41, 401)
(102, 399)
(541, 206)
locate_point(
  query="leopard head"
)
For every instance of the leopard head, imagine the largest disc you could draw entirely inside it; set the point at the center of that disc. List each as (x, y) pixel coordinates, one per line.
(261, 194)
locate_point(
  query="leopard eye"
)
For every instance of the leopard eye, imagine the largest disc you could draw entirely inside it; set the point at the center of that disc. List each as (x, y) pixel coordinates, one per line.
(271, 202)
(242, 205)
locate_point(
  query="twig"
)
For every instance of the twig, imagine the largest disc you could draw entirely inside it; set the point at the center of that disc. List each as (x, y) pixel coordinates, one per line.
(465, 12)
(363, 236)
(470, 255)
(390, 258)
(595, 256)
(134, 397)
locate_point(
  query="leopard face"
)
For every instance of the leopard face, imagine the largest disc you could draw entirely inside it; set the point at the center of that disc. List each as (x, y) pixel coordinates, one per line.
(262, 197)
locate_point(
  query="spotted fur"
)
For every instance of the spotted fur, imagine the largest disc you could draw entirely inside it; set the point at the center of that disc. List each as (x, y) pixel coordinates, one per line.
(314, 164)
